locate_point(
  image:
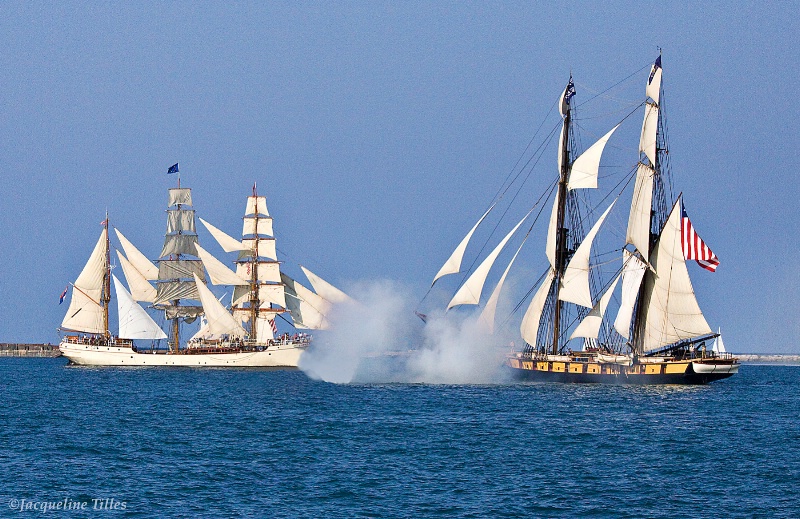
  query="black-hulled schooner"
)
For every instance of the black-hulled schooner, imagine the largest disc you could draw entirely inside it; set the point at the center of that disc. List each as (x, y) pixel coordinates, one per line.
(659, 334)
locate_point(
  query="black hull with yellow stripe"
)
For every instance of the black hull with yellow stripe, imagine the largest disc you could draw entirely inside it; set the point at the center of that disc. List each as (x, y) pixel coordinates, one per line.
(581, 370)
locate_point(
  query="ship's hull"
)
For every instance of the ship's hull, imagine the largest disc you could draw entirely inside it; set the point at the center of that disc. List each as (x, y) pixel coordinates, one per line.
(677, 372)
(276, 356)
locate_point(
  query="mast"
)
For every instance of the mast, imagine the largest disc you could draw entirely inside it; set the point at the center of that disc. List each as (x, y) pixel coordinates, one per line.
(106, 298)
(254, 300)
(176, 267)
(561, 235)
(659, 208)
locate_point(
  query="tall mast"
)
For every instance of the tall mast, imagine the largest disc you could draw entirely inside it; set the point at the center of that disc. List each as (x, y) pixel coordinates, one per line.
(106, 298)
(561, 235)
(254, 285)
(659, 208)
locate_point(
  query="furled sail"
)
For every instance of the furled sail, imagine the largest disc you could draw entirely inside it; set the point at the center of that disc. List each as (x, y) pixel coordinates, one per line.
(470, 291)
(575, 283)
(590, 326)
(325, 289)
(137, 259)
(227, 243)
(584, 171)
(134, 322)
(141, 289)
(632, 273)
(530, 322)
(85, 313)
(671, 312)
(487, 314)
(638, 233)
(453, 263)
(217, 271)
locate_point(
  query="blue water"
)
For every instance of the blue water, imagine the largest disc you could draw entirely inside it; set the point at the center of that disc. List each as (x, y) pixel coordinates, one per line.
(252, 443)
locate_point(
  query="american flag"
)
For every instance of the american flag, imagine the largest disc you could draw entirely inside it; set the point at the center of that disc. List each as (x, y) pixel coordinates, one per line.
(274, 326)
(694, 247)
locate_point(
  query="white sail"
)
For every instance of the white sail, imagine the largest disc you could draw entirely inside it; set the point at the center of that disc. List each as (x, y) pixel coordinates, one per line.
(253, 225)
(137, 259)
(264, 249)
(590, 326)
(134, 322)
(256, 205)
(168, 291)
(453, 263)
(470, 291)
(220, 321)
(274, 294)
(264, 327)
(227, 243)
(325, 289)
(179, 195)
(647, 141)
(654, 82)
(487, 315)
(265, 271)
(530, 322)
(180, 220)
(632, 273)
(718, 346)
(638, 233)
(584, 171)
(307, 308)
(178, 244)
(552, 234)
(141, 289)
(85, 314)
(560, 149)
(671, 312)
(217, 271)
(575, 283)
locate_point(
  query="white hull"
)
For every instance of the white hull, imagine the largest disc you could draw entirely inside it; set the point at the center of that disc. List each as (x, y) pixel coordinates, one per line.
(700, 367)
(276, 356)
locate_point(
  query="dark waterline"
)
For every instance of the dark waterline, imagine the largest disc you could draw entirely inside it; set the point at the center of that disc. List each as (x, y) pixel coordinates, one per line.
(252, 443)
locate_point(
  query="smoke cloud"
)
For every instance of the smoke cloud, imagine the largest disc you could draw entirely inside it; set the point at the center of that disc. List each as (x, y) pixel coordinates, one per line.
(379, 340)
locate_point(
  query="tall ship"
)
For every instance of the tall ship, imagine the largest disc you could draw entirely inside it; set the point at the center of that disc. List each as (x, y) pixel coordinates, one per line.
(659, 334)
(243, 334)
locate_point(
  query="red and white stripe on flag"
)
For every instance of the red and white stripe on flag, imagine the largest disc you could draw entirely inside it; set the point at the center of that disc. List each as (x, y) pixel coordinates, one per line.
(273, 325)
(694, 248)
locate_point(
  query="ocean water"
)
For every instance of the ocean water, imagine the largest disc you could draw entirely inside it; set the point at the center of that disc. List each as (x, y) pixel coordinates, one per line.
(257, 443)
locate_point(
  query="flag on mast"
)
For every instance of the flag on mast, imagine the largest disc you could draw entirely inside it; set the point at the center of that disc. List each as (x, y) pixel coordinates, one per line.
(63, 295)
(694, 247)
(173, 169)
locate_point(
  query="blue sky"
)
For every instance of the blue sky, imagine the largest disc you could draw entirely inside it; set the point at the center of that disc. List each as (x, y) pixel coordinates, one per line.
(379, 132)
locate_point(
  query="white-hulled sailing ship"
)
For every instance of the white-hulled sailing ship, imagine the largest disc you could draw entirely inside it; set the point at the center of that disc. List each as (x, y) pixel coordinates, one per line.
(243, 336)
(659, 333)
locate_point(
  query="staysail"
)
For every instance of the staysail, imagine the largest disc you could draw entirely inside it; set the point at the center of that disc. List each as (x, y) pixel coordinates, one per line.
(134, 322)
(145, 267)
(584, 171)
(141, 289)
(530, 322)
(220, 322)
(589, 328)
(487, 315)
(453, 263)
(575, 283)
(470, 291)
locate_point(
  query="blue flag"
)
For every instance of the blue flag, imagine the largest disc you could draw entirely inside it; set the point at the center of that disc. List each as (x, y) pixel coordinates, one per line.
(173, 169)
(656, 66)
